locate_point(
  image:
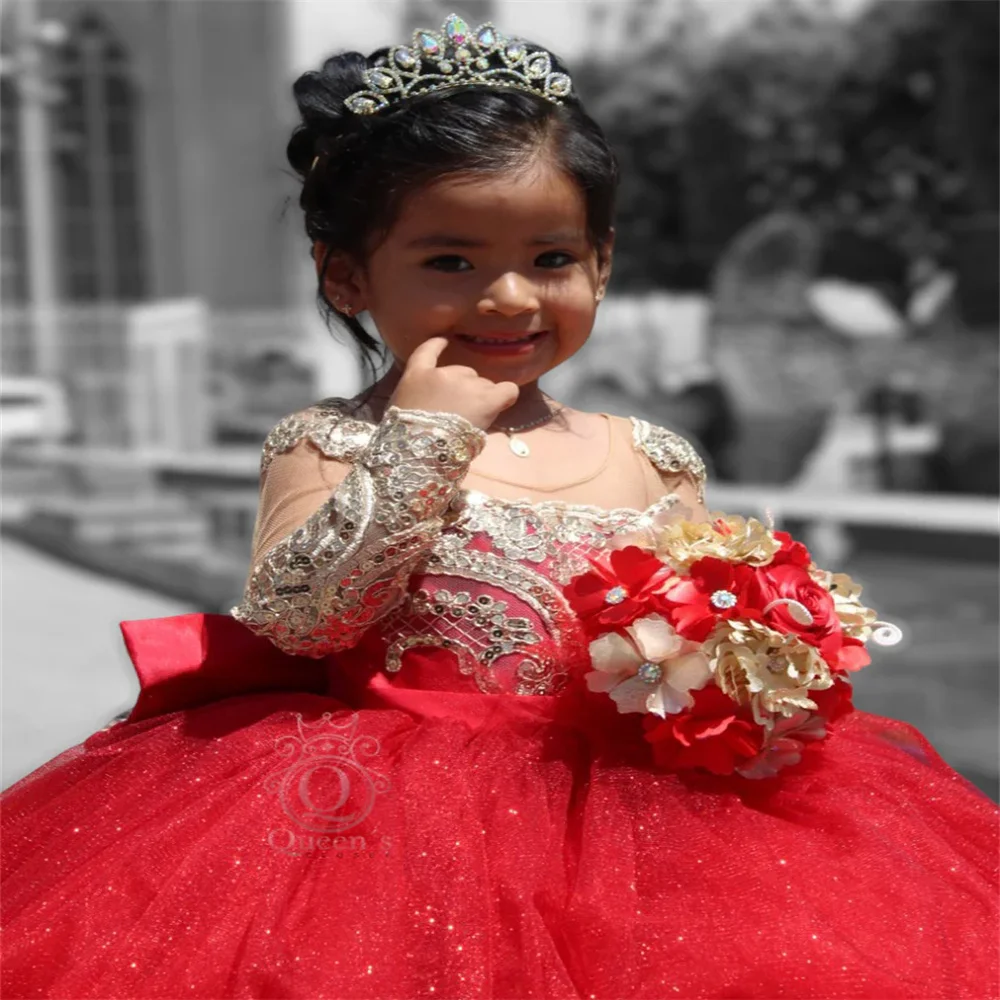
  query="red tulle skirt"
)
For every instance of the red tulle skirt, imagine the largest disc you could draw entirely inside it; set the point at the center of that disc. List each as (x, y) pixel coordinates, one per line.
(378, 841)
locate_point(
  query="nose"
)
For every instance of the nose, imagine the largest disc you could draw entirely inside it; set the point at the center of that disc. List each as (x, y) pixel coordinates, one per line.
(510, 295)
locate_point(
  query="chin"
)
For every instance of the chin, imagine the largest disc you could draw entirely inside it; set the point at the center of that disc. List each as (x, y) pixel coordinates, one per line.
(518, 374)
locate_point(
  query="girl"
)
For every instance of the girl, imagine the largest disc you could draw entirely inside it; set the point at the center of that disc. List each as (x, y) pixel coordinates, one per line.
(383, 776)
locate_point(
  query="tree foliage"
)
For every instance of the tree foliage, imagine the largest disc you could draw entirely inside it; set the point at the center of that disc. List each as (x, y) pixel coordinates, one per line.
(884, 127)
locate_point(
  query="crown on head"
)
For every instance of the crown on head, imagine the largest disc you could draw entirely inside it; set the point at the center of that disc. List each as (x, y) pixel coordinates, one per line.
(458, 57)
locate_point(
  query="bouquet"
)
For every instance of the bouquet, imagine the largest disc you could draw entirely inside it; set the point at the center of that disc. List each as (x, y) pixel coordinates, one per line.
(726, 636)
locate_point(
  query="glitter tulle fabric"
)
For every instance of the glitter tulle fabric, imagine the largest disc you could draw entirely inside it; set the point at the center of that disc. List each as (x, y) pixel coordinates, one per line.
(268, 826)
(441, 808)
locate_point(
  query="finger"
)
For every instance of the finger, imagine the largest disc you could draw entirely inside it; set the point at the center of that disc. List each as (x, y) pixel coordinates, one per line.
(426, 356)
(508, 392)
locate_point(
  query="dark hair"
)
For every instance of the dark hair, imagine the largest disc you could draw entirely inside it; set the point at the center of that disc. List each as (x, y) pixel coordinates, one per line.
(367, 164)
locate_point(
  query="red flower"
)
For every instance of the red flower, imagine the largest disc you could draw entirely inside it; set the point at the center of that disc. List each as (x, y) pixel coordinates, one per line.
(623, 586)
(716, 734)
(790, 581)
(791, 551)
(851, 656)
(835, 702)
(715, 590)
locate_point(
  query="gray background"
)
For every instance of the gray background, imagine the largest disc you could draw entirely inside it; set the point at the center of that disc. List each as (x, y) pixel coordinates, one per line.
(805, 286)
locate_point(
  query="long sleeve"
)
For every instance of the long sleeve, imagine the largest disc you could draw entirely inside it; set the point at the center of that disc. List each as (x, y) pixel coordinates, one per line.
(319, 588)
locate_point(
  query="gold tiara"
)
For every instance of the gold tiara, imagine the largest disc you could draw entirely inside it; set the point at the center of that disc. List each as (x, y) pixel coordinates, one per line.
(457, 57)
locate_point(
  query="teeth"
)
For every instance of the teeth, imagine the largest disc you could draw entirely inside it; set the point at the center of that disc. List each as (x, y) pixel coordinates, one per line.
(498, 340)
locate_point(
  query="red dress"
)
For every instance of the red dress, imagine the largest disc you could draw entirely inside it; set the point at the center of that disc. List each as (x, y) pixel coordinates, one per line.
(445, 811)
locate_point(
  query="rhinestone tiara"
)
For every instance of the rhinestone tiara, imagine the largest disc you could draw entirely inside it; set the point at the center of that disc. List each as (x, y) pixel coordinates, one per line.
(457, 57)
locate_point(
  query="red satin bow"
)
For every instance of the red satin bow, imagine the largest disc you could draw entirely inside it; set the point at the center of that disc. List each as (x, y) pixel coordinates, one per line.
(189, 660)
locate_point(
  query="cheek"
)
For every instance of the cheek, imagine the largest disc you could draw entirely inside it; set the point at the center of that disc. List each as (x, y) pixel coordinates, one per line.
(575, 293)
(409, 315)
(575, 310)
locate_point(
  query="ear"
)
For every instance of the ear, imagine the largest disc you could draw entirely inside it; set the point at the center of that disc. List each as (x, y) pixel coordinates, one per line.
(605, 255)
(341, 278)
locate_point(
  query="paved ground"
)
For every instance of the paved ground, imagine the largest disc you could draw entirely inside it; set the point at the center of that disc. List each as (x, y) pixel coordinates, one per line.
(66, 673)
(943, 678)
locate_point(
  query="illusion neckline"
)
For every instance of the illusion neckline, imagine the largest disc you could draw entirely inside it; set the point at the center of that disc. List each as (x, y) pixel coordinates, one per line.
(590, 477)
(594, 511)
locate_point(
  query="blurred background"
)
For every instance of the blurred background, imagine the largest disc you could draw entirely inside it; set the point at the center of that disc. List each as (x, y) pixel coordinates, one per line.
(806, 286)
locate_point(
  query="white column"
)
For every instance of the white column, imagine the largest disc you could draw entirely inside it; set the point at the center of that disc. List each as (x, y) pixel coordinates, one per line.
(36, 181)
(168, 404)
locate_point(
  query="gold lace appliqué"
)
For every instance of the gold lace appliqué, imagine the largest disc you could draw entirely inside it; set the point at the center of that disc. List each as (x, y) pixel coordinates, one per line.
(561, 534)
(669, 452)
(336, 435)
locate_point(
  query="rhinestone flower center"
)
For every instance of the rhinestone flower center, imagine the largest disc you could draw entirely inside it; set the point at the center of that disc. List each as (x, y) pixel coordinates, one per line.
(776, 664)
(723, 599)
(650, 672)
(615, 595)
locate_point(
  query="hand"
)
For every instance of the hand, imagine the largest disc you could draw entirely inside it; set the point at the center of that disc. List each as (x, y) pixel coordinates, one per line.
(451, 388)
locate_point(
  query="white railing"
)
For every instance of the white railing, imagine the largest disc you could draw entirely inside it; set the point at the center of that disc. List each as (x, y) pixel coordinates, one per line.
(953, 513)
(827, 515)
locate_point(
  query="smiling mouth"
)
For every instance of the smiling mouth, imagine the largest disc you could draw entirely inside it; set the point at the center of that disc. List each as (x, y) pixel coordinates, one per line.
(502, 341)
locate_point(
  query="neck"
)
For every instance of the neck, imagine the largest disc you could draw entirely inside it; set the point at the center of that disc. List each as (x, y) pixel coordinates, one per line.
(530, 404)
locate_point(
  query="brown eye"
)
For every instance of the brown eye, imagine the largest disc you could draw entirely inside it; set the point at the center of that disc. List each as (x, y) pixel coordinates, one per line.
(450, 263)
(554, 258)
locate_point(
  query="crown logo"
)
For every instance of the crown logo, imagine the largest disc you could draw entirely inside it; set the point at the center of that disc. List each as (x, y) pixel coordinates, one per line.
(458, 57)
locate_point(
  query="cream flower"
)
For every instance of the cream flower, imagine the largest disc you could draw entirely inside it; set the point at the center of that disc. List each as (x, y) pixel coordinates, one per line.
(652, 670)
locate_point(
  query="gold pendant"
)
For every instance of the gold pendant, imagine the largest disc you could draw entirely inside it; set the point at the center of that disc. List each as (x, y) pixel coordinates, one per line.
(519, 447)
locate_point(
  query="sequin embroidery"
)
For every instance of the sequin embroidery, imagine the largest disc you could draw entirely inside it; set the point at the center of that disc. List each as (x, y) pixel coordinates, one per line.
(322, 587)
(479, 630)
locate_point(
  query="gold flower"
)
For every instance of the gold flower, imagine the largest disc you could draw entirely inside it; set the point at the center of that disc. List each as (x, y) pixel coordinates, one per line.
(771, 672)
(840, 585)
(856, 619)
(745, 540)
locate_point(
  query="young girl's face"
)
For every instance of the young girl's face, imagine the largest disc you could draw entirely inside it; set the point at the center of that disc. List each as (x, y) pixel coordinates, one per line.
(498, 264)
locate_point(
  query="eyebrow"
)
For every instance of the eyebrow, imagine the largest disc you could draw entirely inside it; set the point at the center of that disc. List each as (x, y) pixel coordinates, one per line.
(447, 240)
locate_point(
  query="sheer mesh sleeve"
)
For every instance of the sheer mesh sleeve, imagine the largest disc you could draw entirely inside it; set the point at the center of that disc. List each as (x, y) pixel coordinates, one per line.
(293, 487)
(692, 505)
(316, 586)
(680, 467)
